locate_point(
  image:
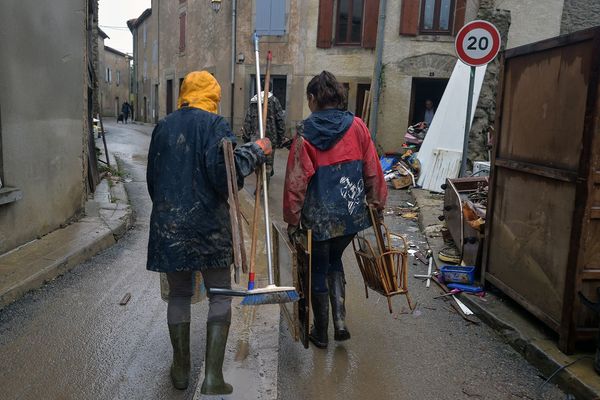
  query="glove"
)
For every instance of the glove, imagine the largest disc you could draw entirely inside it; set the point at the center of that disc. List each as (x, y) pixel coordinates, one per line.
(265, 145)
(292, 231)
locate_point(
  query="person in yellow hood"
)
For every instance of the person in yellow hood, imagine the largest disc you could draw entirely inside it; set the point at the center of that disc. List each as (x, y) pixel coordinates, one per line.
(190, 228)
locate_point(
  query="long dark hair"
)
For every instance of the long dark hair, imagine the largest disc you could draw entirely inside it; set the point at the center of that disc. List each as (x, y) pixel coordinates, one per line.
(328, 92)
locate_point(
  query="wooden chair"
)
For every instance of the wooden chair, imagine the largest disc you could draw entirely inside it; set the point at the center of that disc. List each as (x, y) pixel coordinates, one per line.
(385, 268)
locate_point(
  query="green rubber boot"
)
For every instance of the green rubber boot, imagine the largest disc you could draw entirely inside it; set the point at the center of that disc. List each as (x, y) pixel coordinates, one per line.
(180, 368)
(216, 340)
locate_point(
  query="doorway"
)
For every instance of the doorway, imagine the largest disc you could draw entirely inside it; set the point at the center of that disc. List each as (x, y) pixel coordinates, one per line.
(145, 110)
(117, 113)
(424, 89)
(361, 91)
(155, 104)
(169, 96)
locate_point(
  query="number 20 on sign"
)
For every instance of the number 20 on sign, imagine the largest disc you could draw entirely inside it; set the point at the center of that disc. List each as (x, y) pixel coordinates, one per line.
(477, 43)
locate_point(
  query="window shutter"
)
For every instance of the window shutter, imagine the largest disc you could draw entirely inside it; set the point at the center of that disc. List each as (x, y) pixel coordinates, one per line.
(371, 19)
(182, 32)
(325, 27)
(459, 15)
(409, 17)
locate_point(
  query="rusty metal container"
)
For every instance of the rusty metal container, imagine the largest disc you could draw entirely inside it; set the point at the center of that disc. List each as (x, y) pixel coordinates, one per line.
(468, 240)
(543, 217)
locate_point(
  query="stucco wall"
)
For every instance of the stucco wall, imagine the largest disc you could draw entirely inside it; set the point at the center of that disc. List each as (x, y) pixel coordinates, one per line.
(41, 95)
(110, 91)
(532, 20)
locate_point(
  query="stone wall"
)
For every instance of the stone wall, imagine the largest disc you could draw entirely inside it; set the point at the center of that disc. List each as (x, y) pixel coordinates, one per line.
(579, 14)
(485, 113)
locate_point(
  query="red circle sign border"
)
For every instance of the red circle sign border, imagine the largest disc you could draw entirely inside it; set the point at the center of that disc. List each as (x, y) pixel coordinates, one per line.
(476, 62)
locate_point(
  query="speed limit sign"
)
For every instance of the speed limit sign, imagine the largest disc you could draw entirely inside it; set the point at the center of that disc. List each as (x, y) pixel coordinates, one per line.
(477, 43)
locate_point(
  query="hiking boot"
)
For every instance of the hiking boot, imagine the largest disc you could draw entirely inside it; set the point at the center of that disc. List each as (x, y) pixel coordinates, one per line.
(318, 333)
(180, 368)
(337, 296)
(216, 340)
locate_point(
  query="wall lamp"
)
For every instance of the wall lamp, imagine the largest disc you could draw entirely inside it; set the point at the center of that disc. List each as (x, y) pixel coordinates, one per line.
(216, 5)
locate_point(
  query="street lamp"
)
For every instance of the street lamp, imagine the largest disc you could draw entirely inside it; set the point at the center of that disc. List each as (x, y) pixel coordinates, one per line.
(216, 5)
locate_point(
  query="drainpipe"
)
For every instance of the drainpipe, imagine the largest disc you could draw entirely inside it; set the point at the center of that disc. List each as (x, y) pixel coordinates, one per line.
(233, 51)
(378, 68)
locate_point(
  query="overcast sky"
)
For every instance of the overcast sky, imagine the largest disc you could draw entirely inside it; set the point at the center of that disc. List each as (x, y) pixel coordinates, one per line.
(113, 16)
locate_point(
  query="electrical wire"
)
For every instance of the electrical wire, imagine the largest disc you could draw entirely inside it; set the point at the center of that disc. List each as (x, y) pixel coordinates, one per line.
(559, 370)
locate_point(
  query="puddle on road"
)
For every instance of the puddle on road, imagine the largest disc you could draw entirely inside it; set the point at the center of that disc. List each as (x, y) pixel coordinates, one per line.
(140, 158)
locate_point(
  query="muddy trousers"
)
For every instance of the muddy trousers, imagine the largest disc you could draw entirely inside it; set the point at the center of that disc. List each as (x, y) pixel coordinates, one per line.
(327, 258)
(181, 291)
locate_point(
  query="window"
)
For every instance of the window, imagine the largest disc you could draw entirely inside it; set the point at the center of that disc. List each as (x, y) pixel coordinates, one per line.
(169, 96)
(118, 78)
(181, 32)
(349, 22)
(108, 75)
(437, 16)
(269, 18)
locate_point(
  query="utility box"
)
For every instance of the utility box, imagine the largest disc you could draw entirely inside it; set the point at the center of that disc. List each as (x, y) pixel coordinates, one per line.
(543, 217)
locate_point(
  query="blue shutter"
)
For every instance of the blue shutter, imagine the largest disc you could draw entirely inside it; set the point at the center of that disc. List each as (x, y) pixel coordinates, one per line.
(270, 17)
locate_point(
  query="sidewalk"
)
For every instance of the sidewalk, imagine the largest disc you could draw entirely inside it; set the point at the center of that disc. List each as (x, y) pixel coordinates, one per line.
(535, 342)
(28, 267)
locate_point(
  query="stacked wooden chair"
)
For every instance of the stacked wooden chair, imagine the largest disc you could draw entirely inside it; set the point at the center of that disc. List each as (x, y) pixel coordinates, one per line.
(384, 266)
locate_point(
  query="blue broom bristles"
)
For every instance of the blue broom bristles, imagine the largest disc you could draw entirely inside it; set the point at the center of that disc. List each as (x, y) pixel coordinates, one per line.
(288, 296)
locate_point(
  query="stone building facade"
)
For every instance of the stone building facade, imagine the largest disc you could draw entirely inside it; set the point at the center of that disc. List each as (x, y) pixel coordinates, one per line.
(340, 36)
(46, 85)
(145, 66)
(114, 77)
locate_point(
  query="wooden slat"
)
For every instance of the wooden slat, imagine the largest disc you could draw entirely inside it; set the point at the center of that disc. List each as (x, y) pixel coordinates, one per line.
(325, 24)
(551, 43)
(409, 17)
(371, 20)
(540, 170)
(459, 15)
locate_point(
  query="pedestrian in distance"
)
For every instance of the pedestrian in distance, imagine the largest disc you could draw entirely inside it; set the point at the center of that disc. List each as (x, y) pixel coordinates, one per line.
(274, 130)
(190, 228)
(125, 110)
(333, 173)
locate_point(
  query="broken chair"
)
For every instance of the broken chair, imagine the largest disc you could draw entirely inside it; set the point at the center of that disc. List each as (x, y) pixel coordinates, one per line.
(384, 267)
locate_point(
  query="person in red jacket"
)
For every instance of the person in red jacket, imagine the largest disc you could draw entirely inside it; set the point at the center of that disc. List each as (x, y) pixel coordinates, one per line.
(333, 173)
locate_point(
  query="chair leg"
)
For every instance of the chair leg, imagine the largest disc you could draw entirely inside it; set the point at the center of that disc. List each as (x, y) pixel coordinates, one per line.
(389, 299)
(366, 291)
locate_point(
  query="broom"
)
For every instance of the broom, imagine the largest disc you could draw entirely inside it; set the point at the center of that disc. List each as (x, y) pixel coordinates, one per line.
(270, 294)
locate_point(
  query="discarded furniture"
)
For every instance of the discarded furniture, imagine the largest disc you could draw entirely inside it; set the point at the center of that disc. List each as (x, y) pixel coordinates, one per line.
(292, 264)
(384, 266)
(466, 238)
(543, 216)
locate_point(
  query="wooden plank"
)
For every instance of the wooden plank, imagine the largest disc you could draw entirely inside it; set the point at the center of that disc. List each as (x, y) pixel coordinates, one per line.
(580, 237)
(552, 43)
(409, 17)
(539, 170)
(540, 126)
(446, 164)
(554, 325)
(325, 24)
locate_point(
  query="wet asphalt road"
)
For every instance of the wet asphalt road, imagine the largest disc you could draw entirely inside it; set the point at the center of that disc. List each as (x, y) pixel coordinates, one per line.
(71, 339)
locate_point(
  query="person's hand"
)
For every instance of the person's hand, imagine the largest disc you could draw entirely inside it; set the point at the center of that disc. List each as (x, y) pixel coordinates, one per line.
(292, 231)
(265, 145)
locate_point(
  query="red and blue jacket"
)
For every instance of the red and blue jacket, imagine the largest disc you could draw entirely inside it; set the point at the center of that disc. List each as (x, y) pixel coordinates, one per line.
(333, 172)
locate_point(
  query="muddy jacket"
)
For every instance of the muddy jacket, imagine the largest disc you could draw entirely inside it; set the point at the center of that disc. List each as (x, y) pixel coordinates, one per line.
(275, 129)
(189, 226)
(332, 172)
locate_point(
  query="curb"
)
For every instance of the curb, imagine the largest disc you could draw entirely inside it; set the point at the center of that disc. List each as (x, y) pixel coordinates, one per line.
(50, 256)
(538, 348)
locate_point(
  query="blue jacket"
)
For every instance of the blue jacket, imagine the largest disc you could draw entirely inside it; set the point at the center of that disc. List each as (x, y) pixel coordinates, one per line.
(190, 227)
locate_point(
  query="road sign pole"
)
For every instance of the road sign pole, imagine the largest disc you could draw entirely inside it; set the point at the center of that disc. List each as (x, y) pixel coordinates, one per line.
(463, 167)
